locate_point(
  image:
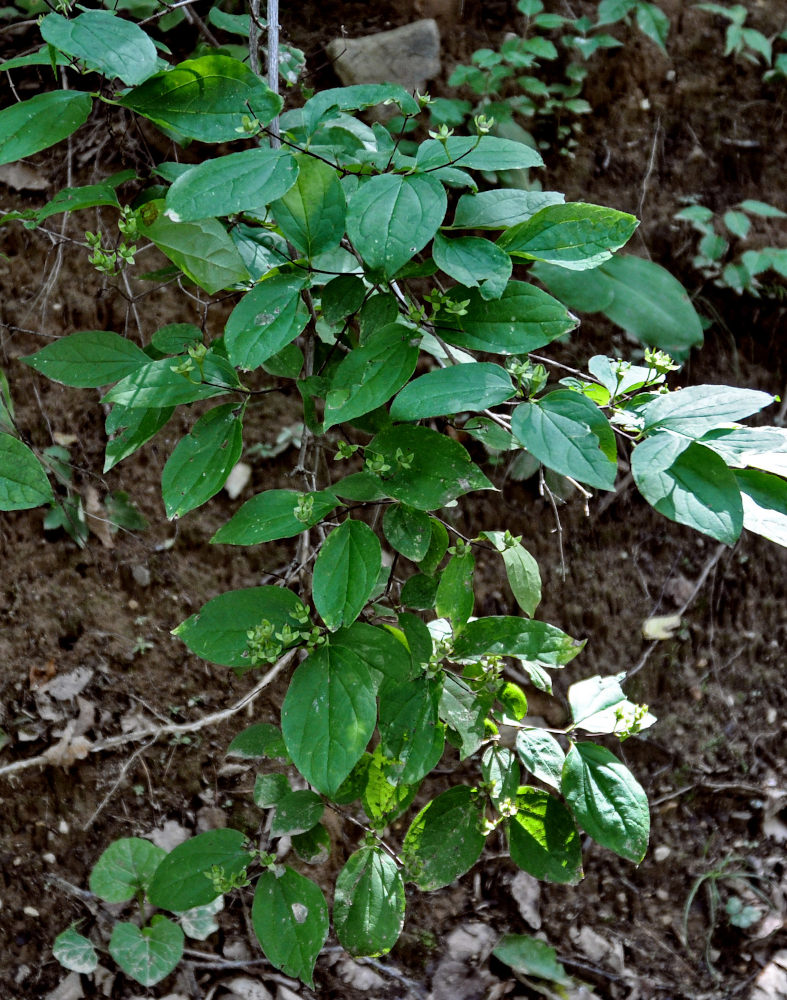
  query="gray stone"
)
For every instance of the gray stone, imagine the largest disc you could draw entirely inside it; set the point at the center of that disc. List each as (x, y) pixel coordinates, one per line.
(409, 55)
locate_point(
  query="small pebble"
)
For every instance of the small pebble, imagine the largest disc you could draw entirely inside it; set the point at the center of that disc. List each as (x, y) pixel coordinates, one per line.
(662, 852)
(62, 826)
(49, 858)
(141, 575)
(31, 911)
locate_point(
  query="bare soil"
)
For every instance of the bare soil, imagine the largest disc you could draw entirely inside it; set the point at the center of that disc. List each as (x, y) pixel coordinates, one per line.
(713, 767)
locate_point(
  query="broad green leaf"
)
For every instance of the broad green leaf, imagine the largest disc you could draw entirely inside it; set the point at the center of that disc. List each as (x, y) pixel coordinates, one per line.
(42, 57)
(598, 705)
(384, 655)
(456, 389)
(585, 291)
(541, 754)
(543, 839)
(343, 296)
(202, 249)
(369, 903)
(473, 262)
(575, 236)
(383, 798)
(290, 918)
(74, 199)
(88, 359)
(176, 338)
(523, 319)
(150, 954)
(700, 408)
(531, 957)
(418, 636)
(229, 184)
(328, 716)
(263, 739)
(205, 98)
(435, 470)
(407, 530)
(438, 547)
(75, 952)
(444, 840)
(311, 213)
(271, 515)
(500, 771)
(218, 631)
(653, 22)
(128, 428)
(520, 637)
(297, 812)
(762, 448)
(392, 216)
(464, 712)
(419, 592)
(522, 571)
(606, 800)
(265, 320)
(23, 482)
(764, 500)
(198, 467)
(126, 867)
(694, 487)
(345, 573)
(369, 375)
(356, 98)
(314, 846)
(42, 121)
(762, 208)
(411, 736)
(455, 596)
(109, 44)
(182, 880)
(569, 434)
(269, 789)
(610, 11)
(501, 209)
(485, 152)
(364, 487)
(738, 223)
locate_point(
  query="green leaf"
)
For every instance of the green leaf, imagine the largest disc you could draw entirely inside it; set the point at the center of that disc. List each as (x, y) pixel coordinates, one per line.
(411, 736)
(691, 485)
(541, 754)
(343, 296)
(501, 209)
(522, 571)
(328, 716)
(217, 632)
(369, 375)
(76, 198)
(698, 409)
(606, 799)
(653, 22)
(198, 467)
(297, 812)
(126, 867)
(182, 879)
(200, 922)
(519, 637)
(345, 573)
(229, 184)
(530, 957)
(738, 223)
(271, 515)
(464, 712)
(383, 798)
(523, 319)
(129, 428)
(88, 359)
(500, 772)
(455, 596)
(569, 434)
(265, 320)
(314, 846)
(437, 547)
(150, 954)
(205, 98)
(444, 840)
(473, 262)
(762, 208)
(269, 789)
(40, 122)
(764, 499)
(393, 216)
(75, 952)
(202, 249)
(290, 919)
(436, 468)
(598, 705)
(420, 592)
(477, 153)
(369, 903)
(104, 42)
(384, 655)
(263, 739)
(23, 481)
(575, 236)
(543, 839)
(176, 338)
(311, 214)
(407, 530)
(364, 95)
(610, 11)
(456, 389)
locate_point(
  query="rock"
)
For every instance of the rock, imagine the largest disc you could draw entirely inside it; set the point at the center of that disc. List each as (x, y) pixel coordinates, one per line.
(246, 988)
(409, 55)
(471, 943)
(141, 575)
(771, 983)
(526, 892)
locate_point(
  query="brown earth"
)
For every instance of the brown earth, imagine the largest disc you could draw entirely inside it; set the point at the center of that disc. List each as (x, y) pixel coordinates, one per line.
(713, 767)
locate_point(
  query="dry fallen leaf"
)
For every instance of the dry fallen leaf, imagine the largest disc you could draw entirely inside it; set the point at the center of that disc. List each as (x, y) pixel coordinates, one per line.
(237, 480)
(63, 687)
(526, 892)
(97, 519)
(661, 627)
(69, 748)
(20, 177)
(39, 675)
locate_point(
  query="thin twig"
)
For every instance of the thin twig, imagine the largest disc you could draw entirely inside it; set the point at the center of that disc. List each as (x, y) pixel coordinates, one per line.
(273, 66)
(254, 37)
(115, 785)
